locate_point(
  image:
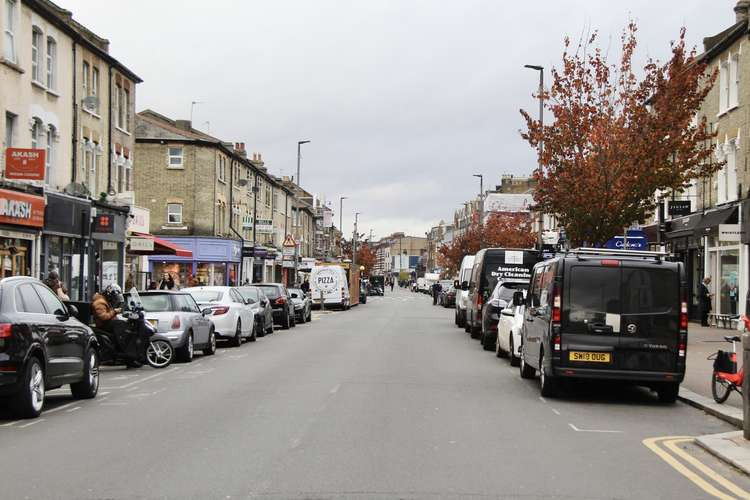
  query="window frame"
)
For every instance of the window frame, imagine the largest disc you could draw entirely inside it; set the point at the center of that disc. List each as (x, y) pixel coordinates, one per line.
(51, 58)
(10, 129)
(10, 51)
(126, 109)
(50, 156)
(36, 127)
(85, 67)
(181, 156)
(95, 86)
(171, 213)
(36, 55)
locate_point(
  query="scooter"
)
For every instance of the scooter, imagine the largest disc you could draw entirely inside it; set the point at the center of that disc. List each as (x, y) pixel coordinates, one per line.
(139, 343)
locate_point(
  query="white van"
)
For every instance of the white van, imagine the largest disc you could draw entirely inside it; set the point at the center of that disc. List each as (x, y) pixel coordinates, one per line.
(464, 275)
(333, 283)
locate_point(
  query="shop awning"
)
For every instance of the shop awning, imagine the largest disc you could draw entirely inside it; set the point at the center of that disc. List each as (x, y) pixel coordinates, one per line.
(684, 226)
(712, 220)
(161, 247)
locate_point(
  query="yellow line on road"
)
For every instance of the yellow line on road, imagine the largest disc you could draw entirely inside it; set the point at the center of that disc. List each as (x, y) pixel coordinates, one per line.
(653, 445)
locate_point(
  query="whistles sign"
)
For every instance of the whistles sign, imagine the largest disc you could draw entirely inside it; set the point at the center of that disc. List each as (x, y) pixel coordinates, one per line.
(21, 209)
(24, 164)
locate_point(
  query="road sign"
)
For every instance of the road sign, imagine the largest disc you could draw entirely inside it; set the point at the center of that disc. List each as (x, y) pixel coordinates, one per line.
(289, 241)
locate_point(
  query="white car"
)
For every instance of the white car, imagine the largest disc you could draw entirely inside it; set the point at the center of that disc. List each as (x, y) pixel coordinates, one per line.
(233, 319)
(462, 293)
(508, 341)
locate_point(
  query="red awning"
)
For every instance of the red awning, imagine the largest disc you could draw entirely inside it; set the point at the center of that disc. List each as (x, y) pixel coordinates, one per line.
(161, 247)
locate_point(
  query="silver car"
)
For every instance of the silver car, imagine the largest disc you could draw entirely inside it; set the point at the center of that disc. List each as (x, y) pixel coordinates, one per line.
(302, 305)
(261, 306)
(177, 316)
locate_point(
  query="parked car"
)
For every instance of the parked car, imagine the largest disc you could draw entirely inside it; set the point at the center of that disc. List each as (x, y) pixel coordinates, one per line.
(177, 316)
(462, 289)
(508, 338)
(501, 298)
(261, 306)
(302, 305)
(607, 314)
(42, 347)
(444, 285)
(231, 317)
(491, 265)
(447, 296)
(281, 303)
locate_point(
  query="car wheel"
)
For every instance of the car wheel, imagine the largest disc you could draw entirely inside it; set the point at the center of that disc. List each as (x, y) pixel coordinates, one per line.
(514, 360)
(237, 339)
(475, 331)
(526, 370)
(487, 342)
(185, 353)
(261, 328)
(309, 315)
(211, 349)
(548, 386)
(668, 392)
(498, 350)
(89, 386)
(270, 327)
(287, 324)
(254, 334)
(29, 400)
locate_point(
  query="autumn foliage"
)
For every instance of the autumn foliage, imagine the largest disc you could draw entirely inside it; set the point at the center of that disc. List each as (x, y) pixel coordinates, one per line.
(618, 136)
(505, 230)
(365, 255)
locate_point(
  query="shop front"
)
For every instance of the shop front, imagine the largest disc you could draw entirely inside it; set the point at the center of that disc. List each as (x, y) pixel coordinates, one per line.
(21, 223)
(213, 262)
(64, 241)
(108, 237)
(687, 248)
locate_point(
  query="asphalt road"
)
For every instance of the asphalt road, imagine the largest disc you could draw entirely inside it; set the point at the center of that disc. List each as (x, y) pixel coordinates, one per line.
(388, 400)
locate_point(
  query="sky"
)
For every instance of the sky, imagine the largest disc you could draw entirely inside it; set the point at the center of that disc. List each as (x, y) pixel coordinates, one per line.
(402, 100)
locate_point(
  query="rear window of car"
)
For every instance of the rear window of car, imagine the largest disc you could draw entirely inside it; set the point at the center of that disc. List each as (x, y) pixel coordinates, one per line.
(157, 303)
(272, 292)
(207, 295)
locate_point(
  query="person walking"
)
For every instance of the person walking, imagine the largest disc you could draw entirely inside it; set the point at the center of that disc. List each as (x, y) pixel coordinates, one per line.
(392, 285)
(435, 292)
(704, 299)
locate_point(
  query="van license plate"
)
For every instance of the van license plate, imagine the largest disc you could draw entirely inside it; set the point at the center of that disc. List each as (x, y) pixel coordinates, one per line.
(593, 357)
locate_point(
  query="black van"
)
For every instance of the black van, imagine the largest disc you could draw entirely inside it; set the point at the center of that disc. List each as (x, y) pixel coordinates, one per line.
(491, 265)
(611, 314)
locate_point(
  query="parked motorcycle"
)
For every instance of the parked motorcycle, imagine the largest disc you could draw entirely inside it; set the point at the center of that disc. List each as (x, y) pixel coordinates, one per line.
(139, 343)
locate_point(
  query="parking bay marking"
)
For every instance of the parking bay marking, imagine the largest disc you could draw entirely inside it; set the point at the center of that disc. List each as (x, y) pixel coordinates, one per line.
(34, 422)
(603, 431)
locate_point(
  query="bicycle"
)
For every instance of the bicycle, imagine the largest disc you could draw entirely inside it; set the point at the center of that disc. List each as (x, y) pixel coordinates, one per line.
(725, 377)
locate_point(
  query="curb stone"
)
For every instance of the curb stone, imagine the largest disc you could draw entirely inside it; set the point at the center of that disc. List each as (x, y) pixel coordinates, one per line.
(728, 446)
(728, 414)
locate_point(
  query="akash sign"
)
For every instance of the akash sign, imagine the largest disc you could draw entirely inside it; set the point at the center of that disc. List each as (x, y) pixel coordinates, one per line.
(21, 209)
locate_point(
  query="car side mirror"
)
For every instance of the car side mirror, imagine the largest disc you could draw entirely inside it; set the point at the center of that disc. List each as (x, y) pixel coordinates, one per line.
(465, 285)
(456, 284)
(518, 298)
(61, 313)
(294, 296)
(207, 311)
(72, 310)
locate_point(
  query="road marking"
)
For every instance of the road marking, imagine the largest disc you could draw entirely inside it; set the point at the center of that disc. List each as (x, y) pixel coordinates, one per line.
(73, 409)
(237, 356)
(31, 423)
(148, 378)
(651, 444)
(555, 411)
(335, 389)
(542, 400)
(53, 410)
(604, 431)
(112, 403)
(11, 423)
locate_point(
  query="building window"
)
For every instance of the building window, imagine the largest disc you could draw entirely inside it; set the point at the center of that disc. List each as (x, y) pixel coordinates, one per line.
(222, 167)
(10, 128)
(128, 175)
(126, 110)
(95, 87)
(175, 157)
(120, 181)
(50, 157)
(174, 213)
(268, 196)
(10, 30)
(727, 177)
(36, 54)
(51, 63)
(36, 133)
(734, 81)
(85, 79)
(121, 103)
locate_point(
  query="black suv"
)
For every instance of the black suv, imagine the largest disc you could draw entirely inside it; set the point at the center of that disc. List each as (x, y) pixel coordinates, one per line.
(608, 314)
(42, 347)
(281, 303)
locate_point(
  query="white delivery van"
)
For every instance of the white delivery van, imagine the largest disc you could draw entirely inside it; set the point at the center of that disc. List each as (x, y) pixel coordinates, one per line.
(464, 275)
(333, 283)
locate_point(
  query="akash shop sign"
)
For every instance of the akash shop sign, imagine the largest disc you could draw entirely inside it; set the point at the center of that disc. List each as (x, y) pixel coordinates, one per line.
(21, 209)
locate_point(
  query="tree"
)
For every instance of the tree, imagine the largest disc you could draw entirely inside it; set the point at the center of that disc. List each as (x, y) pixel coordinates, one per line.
(501, 230)
(616, 139)
(365, 255)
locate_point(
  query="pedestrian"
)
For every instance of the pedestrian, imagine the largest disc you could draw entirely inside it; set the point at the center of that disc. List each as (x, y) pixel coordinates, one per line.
(152, 285)
(167, 282)
(435, 292)
(305, 286)
(704, 299)
(54, 283)
(391, 285)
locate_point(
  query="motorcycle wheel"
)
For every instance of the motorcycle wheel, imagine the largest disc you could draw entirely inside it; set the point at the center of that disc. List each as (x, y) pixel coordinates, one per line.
(159, 353)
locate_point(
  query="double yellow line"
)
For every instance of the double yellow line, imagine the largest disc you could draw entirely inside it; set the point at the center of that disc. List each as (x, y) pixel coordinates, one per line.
(667, 449)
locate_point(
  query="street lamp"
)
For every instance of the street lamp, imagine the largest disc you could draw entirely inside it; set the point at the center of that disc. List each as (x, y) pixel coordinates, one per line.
(354, 240)
(299, 157)
(341, 213)
(540, 69)
(481, 208)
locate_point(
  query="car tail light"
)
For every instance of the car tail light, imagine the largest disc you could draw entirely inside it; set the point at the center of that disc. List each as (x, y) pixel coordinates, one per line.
(219, 310)
(682, 346)
(556, 304)
(556, 342)
(684, 311)
(480, 301)
(175, 323)
(5, 330)
(280, 301)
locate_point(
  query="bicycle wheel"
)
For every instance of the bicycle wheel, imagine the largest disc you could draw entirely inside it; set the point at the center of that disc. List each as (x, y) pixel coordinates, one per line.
(720, 388)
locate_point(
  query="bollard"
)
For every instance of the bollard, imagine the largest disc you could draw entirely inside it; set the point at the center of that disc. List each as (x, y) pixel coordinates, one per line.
(746, 386)
(322, 302)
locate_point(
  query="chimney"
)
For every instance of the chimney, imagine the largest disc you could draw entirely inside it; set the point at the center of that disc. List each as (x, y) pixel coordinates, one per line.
(183, 125)
(741, 10)
(242, 146)
(255, 156)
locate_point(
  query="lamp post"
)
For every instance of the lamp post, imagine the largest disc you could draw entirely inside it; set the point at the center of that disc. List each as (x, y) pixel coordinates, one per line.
(299, 157)
(354, 241)
(341, 214)
(540, 69)
(481, 208)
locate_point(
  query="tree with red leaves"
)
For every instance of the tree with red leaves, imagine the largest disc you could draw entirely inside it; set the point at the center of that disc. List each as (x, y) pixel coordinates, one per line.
(617, 138)
(365, 255)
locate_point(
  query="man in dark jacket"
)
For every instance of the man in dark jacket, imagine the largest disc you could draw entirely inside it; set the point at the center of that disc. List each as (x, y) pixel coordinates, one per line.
(436, 289)
(704, 299)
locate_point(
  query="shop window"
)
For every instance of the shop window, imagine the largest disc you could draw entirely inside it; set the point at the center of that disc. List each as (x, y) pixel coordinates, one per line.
(174, 213)
(174, 157)
(211, 273)
(110, 264)
(181, 274)
(729, 279)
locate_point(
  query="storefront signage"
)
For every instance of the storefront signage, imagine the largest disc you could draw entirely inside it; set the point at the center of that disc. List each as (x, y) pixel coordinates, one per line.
(729, 232)
(678, 208)
(264, 226)
(141, 245)
(21, 209)
(104, 223)
(139, 220)
(288, 263)
(24, 164)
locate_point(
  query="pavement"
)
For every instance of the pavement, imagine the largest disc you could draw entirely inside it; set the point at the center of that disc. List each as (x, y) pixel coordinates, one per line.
(387, 400)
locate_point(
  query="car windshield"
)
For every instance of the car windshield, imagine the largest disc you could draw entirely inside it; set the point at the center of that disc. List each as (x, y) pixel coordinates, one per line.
(207, 295)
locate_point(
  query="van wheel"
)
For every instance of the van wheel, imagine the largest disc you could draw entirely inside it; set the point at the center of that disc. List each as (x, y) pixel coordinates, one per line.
(548, 386)
(514, 360)
(525, 370)
(668, 392)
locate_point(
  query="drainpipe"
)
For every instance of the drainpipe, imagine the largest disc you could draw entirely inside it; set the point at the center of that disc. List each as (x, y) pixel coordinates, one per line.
(231, 218)
(109, 123)
(74, 156)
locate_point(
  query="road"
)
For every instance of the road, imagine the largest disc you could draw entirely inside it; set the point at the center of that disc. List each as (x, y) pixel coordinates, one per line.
(388, 400)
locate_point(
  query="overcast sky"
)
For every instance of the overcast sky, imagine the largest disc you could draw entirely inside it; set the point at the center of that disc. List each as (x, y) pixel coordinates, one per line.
(403, 99)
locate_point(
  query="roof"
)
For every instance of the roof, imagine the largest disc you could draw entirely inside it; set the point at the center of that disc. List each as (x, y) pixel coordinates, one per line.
(716, 44)
(151, 125)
